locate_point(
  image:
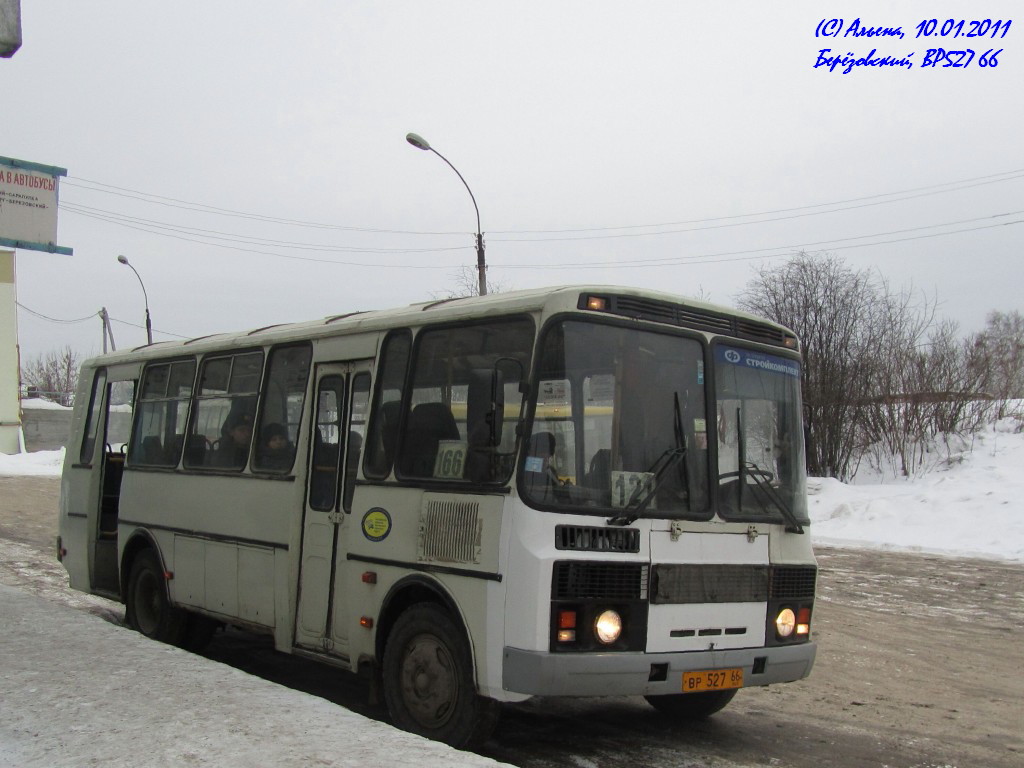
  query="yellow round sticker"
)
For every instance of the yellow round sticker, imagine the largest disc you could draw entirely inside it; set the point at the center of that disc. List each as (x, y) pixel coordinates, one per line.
(376, 524)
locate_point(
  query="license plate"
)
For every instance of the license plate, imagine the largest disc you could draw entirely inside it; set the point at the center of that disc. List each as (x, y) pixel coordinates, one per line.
(712, 680)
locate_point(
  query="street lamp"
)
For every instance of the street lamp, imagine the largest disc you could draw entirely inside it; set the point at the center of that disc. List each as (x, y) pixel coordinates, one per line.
(481, 267)
(149, 325)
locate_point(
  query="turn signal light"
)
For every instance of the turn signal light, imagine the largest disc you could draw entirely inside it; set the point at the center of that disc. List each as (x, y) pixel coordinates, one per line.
(598, 303)
(366, 621)
(803, 621)
(566, 631)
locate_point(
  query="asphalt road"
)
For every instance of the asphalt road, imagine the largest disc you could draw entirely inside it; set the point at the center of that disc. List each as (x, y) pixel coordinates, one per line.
(920, 665)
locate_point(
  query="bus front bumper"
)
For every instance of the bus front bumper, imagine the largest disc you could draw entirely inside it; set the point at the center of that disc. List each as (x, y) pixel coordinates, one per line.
(539, 673)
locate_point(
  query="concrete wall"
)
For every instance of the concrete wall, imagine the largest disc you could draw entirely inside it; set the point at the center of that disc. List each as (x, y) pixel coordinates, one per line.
(46, 429)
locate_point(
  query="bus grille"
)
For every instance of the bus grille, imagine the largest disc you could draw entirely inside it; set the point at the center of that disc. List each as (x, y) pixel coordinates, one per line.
(581, 538)
(710, 583)
(725, 583)
(574, 580)
(449, 532)
(793, 582)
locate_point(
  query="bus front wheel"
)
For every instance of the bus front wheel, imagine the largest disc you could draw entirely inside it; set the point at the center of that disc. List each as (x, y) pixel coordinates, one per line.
(691, 706)
(428, 680)
(148, 610)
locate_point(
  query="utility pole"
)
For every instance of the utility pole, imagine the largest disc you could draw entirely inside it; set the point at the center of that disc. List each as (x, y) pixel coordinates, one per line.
(107, 331)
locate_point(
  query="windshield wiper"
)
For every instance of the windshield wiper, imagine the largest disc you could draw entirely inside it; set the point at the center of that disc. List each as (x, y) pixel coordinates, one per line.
(763, 484)
(661, 465)
(667, 459)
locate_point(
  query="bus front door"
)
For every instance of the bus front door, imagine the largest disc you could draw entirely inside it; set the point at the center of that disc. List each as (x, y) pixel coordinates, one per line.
(342, 394)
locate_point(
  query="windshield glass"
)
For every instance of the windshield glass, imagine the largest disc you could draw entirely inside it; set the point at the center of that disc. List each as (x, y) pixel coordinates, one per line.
(620, 424)
(760, 444)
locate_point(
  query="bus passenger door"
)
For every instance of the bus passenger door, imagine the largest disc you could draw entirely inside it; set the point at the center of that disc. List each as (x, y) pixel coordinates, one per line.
(342, 392)
(93, 485)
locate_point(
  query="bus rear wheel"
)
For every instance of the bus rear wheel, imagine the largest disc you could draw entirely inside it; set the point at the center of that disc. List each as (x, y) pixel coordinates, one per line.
(428, 680)
(691, 706)
(148, 610)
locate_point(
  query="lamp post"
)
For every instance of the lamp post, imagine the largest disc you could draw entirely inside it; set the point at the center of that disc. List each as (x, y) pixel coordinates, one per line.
(481, 266)
(145, 297)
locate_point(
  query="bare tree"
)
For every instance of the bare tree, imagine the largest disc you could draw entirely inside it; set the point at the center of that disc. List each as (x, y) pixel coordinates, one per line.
(838, 315)
(999, 353)
(894, 415)
(467, 283)
(54, 375)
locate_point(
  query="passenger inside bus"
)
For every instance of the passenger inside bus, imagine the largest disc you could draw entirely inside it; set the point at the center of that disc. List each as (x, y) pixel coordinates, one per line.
(233, 447)
(275, 451)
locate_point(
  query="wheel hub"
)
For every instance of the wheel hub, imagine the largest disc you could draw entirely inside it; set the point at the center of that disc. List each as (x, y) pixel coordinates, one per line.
(429, 681)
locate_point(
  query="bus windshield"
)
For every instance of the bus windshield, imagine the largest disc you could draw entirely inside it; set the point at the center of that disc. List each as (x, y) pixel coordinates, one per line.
(620, 423)
(621, 427)
(760, 443)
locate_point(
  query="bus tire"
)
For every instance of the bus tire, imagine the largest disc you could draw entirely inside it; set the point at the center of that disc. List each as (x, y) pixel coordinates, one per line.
(428, 680)
(149, 611)
(691, 706)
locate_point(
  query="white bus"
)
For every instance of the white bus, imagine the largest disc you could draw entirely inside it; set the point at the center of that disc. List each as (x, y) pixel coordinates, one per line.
(574, 491)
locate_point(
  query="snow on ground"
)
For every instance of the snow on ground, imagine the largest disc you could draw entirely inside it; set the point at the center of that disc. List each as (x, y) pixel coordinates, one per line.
(42, 404)
(38, 463)
(969, 503)
(77, 691)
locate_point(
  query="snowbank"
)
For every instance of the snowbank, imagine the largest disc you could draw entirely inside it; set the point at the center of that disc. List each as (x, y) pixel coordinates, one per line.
(41, 404)
(972, 503)
(37, 463)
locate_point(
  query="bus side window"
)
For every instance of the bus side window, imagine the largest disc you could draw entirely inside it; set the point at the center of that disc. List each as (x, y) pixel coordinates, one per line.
(281, 411)
(161, 412)
(92, 423)
(224, 411)
(356, 430)
(323, 471)
(380, 445)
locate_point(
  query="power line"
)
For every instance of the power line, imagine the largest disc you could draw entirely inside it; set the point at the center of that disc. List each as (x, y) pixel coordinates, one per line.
(266, 253)
(171, 202)
(91, 318)
(119, 218)
(759, 253)
(981, 181)
(703, 258)
(54, 319)
(155, 330)
(735, 223)
(898, 196)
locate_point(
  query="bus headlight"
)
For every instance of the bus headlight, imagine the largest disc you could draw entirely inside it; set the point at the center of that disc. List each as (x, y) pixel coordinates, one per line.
(785, 622)
(608, 627)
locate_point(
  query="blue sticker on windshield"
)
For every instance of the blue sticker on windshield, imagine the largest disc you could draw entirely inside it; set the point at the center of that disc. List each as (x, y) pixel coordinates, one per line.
(759, 361)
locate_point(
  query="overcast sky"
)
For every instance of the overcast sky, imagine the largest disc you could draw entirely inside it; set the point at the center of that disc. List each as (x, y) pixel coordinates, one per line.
(612, 142)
